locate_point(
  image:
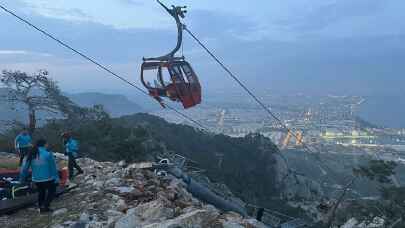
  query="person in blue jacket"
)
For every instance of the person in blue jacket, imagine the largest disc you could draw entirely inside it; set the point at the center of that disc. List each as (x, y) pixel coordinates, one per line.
(44, 173)
(71, 150)
(23, 144)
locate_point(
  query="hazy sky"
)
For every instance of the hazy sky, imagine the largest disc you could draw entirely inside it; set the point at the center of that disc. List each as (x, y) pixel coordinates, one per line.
(314, 46)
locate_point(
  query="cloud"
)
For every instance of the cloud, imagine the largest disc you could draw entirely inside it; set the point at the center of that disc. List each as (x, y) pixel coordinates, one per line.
(13, 52)
(265, 52)
(318, 17)
(73, 14)
(122, 14)
(289, 20)
(345, 18)
(133, 2)
(23, 52)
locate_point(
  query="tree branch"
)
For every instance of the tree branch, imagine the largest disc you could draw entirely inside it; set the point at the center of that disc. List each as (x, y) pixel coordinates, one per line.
(339, 201)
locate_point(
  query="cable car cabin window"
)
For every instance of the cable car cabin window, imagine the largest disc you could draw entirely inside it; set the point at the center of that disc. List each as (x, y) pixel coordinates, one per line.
(177, 74)
(166, 78)
(152, 77)
(186, 69)
(188, 72)
(180, 83)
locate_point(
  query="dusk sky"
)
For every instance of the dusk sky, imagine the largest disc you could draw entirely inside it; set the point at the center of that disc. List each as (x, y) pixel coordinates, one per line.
(319, 46)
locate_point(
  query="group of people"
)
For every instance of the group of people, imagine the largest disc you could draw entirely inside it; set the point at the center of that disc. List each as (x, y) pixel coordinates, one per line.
(40, 159)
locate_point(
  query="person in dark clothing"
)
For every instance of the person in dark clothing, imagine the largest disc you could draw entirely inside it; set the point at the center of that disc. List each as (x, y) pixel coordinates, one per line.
(46, 194)
(71, 150)
(44, 173)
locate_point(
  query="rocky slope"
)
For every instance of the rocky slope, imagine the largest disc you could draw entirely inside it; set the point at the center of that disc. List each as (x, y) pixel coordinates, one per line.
(121, 196)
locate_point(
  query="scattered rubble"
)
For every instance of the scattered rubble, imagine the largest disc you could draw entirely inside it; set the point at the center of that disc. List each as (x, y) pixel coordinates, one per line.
(122, 196)
(377, 222)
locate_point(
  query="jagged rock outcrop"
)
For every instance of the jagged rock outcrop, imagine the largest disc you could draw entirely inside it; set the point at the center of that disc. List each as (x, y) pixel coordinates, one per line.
(293, 185)
(113, 195)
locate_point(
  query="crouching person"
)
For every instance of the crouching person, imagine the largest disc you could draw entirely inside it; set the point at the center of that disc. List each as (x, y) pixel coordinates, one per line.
(71, 150)
(44, 173)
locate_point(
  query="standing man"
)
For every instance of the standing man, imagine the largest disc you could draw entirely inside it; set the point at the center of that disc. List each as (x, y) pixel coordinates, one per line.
(71, 150)
(23, 143)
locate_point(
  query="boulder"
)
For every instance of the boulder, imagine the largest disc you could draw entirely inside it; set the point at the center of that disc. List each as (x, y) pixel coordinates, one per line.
(121, 205)
(60, 212)
(194, 219)
(131, 220)
(152, 212)
(231, 224)
(122, 164)
(157, 210)
(123, 190)
(351, 223)
(113, 182)
(98, 184)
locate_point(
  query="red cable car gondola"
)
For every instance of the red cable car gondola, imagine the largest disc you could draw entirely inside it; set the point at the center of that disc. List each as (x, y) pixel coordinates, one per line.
(174, 77)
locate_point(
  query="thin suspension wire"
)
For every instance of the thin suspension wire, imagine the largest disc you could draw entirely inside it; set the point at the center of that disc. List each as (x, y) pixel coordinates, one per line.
(316, 154)
(233, 76)
(241, 84)
(60, 42)
(285, 160)
(202, 127)
(64, 44)
(107, 70)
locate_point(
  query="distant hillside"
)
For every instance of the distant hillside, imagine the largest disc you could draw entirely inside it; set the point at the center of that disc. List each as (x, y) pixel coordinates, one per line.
(115, 105)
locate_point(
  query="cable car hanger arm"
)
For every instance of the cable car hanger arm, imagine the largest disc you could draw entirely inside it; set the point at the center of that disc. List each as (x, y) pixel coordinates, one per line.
(176, 12)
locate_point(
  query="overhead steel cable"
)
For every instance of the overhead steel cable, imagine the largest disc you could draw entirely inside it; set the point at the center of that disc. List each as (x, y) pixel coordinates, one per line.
(274, 116)
(92, 60)
(101, 66)
(316, 154)
(64, 44)
(244, 87)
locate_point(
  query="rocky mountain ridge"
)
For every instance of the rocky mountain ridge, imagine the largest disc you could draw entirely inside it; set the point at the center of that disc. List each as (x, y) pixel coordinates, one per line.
(122, 196)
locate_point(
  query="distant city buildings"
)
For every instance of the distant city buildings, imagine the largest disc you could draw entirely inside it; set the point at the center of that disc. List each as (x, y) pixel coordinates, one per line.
(329, 120)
